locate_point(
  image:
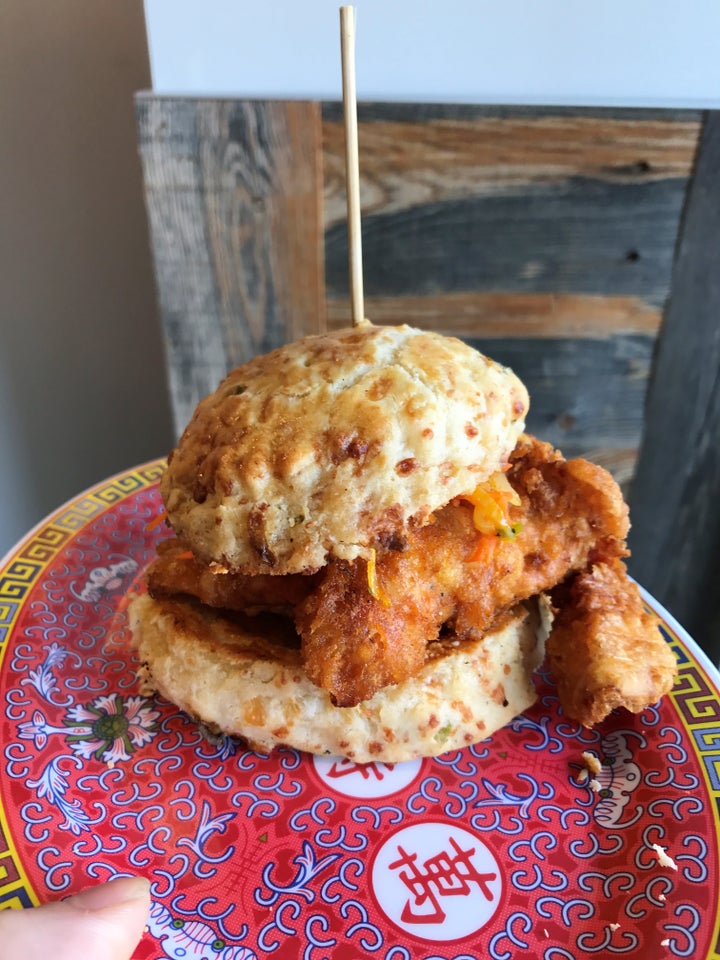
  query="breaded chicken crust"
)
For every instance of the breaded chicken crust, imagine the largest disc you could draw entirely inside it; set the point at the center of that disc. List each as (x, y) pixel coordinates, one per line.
(177, 571)
(571, 514)
(605, 649)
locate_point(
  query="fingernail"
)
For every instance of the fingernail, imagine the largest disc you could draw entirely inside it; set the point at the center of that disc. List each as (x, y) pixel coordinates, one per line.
(112, 893)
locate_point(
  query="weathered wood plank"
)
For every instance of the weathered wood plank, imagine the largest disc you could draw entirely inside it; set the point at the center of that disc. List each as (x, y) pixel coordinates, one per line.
(676, 521)
(585, 394)
(522, 223)
(430, 155)
(427, 111)
(233, 191)
(580, 236)
(499, 314)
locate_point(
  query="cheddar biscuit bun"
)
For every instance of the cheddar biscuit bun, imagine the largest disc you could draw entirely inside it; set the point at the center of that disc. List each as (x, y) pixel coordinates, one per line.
(244, 676)
(322, 448)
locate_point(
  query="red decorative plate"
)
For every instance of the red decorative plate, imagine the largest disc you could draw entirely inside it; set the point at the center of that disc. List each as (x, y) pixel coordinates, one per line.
(495, 851)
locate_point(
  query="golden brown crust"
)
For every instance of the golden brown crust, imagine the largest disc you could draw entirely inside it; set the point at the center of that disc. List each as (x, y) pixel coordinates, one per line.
(570, 514)
(325, 446)
(605, 650)
(177, 571)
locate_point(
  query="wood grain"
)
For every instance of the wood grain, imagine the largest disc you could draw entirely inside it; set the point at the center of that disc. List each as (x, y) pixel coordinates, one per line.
(546, 237)
(579, 236)
(585, 393)
(233, 191)
(676, 521)
(441, 154)
(500, 314)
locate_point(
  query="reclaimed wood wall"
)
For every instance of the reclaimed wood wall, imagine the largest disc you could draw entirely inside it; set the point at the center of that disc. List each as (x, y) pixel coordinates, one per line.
(676, 488)
(545, 237)
(234, 197)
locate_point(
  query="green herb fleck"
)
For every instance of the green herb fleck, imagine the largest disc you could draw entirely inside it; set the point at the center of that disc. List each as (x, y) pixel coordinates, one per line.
(444, 732)
(509, 533)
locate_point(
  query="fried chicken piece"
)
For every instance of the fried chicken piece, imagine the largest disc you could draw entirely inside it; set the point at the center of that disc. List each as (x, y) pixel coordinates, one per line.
(605, 650)
(354, 643)
(571, 514)
(176, 571)
(351, 645)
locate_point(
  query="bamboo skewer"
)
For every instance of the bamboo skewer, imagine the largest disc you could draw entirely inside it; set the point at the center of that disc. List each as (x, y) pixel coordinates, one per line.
(352, 163)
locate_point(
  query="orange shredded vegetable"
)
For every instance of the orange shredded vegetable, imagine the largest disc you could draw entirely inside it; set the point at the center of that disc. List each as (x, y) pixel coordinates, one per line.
(156, 521)
(482, 552)
(491, 502)
(373, 586)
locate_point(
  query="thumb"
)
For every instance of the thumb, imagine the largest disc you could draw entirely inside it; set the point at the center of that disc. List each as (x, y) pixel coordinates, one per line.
(102, 923)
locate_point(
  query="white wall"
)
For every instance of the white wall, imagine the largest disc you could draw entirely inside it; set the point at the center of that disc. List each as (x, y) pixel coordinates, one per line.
(638, 52)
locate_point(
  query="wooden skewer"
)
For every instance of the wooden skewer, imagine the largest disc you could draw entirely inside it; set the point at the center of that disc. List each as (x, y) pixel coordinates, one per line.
(352, 163)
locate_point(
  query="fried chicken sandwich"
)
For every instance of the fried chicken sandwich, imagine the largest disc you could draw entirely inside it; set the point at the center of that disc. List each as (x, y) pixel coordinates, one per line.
(368, 550)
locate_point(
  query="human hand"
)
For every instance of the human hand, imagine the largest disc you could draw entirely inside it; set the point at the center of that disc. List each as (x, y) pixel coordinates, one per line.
(101, 923)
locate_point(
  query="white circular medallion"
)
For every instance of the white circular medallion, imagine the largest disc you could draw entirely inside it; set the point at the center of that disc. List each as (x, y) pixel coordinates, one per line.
(365, 781)
(437, 881)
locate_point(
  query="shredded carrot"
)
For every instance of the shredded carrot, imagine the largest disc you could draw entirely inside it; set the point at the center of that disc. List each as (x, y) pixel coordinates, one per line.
(373, 586)
(156, 521)
(482, 552)
(185, 555)
(491, 501)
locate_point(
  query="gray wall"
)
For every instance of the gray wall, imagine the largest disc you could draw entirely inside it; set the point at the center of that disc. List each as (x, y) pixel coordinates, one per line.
(82, 377)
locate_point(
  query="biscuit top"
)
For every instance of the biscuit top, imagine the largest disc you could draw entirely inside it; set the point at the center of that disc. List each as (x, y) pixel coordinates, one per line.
(334, 444)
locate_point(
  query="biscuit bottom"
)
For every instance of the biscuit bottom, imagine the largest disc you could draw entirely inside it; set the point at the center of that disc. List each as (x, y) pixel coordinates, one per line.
(243, 675)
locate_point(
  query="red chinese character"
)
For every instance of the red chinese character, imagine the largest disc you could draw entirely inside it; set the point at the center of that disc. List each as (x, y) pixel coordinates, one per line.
(345, 767)
(443, 875)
